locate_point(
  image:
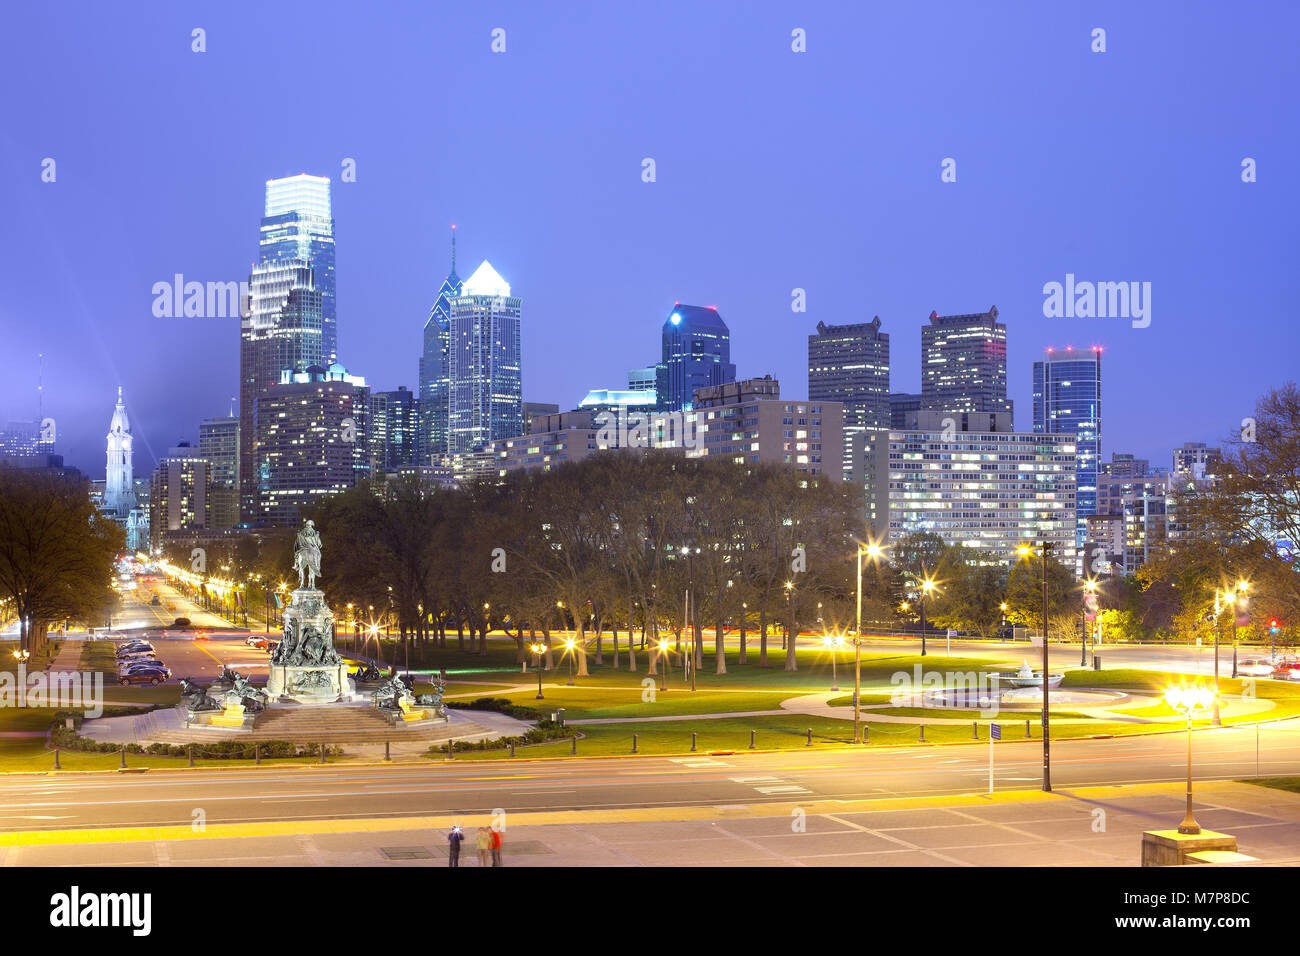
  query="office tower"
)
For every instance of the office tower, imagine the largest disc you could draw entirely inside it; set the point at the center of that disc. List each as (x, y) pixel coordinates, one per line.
(393, 429)
(119, 483)
(219, 444)
(483, 363)
(849, 364)
(1196, 460)
(289, 321)
(901, 404)
(964, 363)
(178, 493)
(991, 491)
(1067, 401)
(312, 441)
(643, 379)
(21, 440)
(299, 228)
(696, 354)
(433, 385)
(533, 409)
(1124, 465)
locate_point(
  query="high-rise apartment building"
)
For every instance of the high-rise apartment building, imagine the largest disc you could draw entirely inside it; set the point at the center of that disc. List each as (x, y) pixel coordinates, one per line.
(1196, 460)
(290, 321)
(485, 387)
(849, 364)
(1067, 401)
(988, 490)
(434, 381)
(178, 493)
(901, 405)
(1126, 465)
(696, 354)
(219, 444)
(964, 363)
(312, 441)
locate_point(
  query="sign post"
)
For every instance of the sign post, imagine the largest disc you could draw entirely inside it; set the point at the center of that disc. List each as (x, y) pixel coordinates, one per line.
(995, 733)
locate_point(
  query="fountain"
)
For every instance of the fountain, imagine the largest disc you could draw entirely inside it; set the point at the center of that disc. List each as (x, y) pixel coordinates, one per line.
(1028, 677)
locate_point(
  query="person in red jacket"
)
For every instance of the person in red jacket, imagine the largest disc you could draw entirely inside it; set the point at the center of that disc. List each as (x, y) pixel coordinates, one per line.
(496, 847)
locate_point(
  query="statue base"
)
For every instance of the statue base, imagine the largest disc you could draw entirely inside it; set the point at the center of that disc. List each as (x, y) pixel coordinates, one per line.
(308, 684)
(305, 667)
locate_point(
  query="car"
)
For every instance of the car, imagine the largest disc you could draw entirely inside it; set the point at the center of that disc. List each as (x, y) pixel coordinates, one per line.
(155, 601)
(256, 640)
(152, 676)
(181, 623)
(131, 646)
(1255, 667)
(136, 657)
(143, 664)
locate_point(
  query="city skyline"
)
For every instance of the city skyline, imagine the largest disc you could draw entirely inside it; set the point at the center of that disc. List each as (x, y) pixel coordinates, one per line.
(543, 214)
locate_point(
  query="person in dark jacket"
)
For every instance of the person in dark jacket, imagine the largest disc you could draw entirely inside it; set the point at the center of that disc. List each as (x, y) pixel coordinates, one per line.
(454, 838)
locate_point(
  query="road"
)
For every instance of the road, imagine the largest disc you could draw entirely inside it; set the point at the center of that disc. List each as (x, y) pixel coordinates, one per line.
(338, 792)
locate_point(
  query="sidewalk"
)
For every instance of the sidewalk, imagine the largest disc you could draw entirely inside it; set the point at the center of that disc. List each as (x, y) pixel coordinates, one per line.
(1100, 826)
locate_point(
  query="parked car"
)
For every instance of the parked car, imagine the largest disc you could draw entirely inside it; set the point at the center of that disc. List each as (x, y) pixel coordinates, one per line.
(135, 656)
(151, 675)
(127, 647)
(138, 663)
(1255, 667)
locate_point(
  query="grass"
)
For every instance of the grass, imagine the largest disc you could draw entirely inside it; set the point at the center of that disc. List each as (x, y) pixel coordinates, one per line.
(1290, 784)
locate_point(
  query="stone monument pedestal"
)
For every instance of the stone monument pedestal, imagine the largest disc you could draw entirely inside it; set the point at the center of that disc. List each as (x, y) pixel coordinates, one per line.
(1171, 848)
(305, 667)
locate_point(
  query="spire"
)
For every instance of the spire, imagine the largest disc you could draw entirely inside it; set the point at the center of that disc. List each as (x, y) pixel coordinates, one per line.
(453, 248)
(119, 395)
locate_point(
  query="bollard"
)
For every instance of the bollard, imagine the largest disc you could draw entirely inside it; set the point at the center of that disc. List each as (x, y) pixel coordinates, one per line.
(56, 759)
(751, 740)
(257, 753)
(512, 748)
(634, 743)
(1026, 730)
(387, 753)
(865, 731)
(809, 743)
(574, 748)
(922, 733)
(322, 751)
(123, 753)
(974, 730)
(693, 741)
(190, 748)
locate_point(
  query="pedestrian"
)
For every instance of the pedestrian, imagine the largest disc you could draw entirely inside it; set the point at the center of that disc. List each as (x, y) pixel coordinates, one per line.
(484, 846)
(496, 847)
(454, 838)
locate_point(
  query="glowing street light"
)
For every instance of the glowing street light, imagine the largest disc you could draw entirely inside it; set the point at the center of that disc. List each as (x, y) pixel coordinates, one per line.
(832, 642)
(569, 645)
(1025, 551)
(1191, 701)
(538, 648)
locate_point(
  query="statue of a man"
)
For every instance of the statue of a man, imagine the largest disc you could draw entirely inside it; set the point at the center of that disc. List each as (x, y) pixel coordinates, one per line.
(306, 555)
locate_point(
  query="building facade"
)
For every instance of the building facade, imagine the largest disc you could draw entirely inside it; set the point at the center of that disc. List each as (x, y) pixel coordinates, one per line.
(393, 429)
(1067, 401)
(434, 381)
(178, 493)
(992, 491)
(696, 353)
(964, 363)
(1196, 460)
(484, 363)
(219, 444)
(849, 364)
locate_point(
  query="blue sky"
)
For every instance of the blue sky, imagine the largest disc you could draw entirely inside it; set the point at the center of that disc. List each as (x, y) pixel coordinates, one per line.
(775, 170)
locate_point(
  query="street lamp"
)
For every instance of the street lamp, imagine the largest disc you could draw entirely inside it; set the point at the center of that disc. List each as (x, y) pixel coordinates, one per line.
(832, 642)
(1190, 701)
(569, 645)
(926, 587)
(1240, 601)
(1025, 551)
(538, 648)
(873, 551)
(663, 664)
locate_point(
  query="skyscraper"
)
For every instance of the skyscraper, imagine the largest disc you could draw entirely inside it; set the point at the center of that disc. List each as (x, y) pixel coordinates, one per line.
(485, 389)
(849, 364)
(1067, 401)
(119, 477)
(393, 430)
(696, 354)
(964, 363)
(178, 493)
(289, 321)
(433, 387)
(219, 444)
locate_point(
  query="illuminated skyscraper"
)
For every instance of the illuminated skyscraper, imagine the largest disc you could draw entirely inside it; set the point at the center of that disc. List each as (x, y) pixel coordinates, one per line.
(289, 322)
(696, 354)
(485, 397)
(433, 404)
(964, 363)
(1067, 401)
(850, 364)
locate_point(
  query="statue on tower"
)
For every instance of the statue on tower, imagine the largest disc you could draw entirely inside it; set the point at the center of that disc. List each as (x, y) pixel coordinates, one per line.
(306, 555)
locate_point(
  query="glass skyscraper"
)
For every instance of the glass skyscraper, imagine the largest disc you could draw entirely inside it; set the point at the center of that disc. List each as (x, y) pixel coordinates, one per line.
(289, 322)
(485, 388)
(433, 385)
(696, 354)
(1067, 400)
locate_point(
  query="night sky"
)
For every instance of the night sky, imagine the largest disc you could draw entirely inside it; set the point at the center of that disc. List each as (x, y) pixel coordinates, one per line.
(775, 170)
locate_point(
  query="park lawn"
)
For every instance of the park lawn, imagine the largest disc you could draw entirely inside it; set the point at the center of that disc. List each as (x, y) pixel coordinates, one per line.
(775, 732)
(582, 702)
(1291, 784)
